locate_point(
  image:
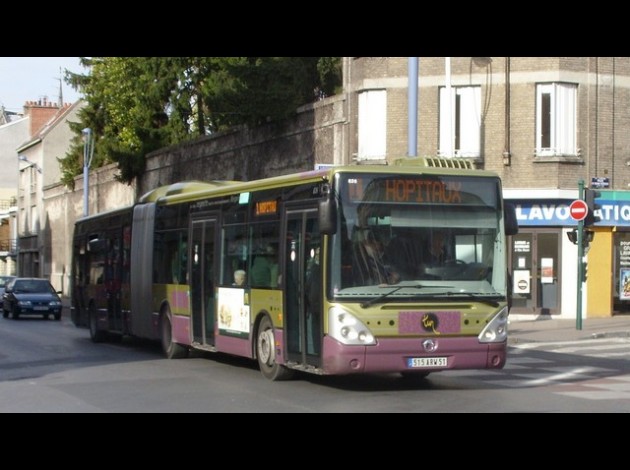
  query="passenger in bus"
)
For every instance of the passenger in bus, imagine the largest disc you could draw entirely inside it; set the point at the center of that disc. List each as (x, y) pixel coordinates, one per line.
(370, 261)
(239, 277)
(264, 271)
(435, 254)
(404, 252)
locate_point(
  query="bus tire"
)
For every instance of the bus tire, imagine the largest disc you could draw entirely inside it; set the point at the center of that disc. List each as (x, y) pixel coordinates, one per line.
(265, 353)
(171, 349)
(97, 336)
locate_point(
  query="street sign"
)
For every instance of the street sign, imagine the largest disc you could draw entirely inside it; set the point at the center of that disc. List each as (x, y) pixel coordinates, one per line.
(600, 182)
(578, 210)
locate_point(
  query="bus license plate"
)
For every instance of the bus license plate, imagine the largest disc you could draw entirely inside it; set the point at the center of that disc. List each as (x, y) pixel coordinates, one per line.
(419, 362)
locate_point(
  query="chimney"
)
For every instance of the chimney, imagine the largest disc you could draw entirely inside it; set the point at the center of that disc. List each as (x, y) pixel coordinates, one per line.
(40, 112)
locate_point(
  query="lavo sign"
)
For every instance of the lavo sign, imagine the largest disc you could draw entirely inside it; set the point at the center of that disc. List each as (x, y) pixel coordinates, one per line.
(611, 213)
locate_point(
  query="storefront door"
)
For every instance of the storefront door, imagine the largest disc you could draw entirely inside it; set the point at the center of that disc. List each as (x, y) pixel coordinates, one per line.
(535, 271)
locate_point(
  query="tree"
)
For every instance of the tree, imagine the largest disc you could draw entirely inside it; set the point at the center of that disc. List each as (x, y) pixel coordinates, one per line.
(135, 105)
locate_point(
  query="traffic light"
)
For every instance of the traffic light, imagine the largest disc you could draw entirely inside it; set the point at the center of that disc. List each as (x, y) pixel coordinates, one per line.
(587, 237)
(589, 197)
(584, 269)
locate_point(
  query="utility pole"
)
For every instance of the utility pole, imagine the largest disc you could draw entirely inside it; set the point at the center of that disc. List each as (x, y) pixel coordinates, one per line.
(88, 153)
(580, 270)
(412, 119)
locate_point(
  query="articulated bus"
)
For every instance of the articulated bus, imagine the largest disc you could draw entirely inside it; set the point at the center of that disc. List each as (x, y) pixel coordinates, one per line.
(325, 271)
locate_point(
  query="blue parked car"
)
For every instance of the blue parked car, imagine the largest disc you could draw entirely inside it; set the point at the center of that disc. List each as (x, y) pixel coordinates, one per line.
(31, 296)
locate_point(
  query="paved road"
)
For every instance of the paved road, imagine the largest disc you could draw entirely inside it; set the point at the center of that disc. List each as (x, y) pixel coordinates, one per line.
(49, 366)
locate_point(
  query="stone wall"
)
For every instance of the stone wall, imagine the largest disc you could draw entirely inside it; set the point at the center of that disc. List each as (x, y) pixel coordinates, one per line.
(315, 135)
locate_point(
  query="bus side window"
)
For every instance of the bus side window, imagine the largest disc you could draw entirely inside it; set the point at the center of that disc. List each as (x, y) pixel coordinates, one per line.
(235, 255)
(178, 260)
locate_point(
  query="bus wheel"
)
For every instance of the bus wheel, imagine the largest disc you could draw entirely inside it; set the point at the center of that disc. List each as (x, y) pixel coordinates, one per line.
(98, 336)
(265, 353)
(171, 349)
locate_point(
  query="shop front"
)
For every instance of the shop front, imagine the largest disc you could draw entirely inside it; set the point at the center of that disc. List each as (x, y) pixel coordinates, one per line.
(543, 261)
(536, 278)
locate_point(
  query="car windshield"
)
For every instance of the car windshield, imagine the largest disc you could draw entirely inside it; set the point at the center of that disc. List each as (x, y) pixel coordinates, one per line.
(33, 287)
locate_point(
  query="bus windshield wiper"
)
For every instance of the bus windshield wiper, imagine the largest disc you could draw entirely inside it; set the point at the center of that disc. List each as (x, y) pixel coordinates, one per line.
(387, 294)
(481, 298)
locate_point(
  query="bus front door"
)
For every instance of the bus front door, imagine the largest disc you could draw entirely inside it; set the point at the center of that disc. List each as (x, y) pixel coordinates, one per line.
(303, 286)
(201, 258)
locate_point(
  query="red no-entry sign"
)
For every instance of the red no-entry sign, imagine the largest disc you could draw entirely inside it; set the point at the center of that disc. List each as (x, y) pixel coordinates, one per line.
(578, 210)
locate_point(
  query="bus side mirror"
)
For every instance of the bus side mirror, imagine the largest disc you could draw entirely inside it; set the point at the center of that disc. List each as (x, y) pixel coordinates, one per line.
(328, 214)
(509, 218)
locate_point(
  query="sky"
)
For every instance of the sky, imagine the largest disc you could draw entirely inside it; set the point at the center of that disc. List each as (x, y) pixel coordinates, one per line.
(25, 79)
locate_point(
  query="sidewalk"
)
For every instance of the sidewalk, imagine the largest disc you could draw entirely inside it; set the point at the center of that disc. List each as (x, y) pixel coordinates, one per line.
(544, 328)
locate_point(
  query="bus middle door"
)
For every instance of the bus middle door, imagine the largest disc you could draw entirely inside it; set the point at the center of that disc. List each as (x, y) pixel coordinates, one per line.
(302, 287)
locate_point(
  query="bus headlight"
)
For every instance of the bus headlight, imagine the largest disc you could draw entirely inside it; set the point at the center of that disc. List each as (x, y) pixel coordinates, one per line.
(497, 330)
(348, 329)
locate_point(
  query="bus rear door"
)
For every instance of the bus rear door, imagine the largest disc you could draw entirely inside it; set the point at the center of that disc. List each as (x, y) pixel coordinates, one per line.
(201, 256)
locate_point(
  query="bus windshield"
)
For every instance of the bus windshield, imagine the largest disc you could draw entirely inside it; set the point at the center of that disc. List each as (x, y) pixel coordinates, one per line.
(418, 236)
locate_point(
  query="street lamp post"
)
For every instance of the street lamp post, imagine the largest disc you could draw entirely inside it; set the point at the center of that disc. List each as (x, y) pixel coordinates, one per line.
(88, 153)
(22, 158)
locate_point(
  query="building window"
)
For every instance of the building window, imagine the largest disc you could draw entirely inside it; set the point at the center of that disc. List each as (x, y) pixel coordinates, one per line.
(372, 125)
(556, 133)
(460, 122)
(34, 220)
(23, 221)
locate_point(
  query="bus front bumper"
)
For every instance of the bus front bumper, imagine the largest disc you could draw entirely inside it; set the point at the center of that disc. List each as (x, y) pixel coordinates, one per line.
(412, 355)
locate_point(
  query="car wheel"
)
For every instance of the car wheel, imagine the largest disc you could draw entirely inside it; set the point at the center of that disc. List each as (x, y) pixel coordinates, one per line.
(57, 316)
(5, 313)
(46, 316)
(15, 314)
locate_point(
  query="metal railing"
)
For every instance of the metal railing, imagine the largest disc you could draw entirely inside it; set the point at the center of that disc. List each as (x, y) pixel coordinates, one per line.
(6, 204)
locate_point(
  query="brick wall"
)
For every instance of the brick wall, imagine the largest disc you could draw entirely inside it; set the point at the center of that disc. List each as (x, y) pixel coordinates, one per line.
(39, 112)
